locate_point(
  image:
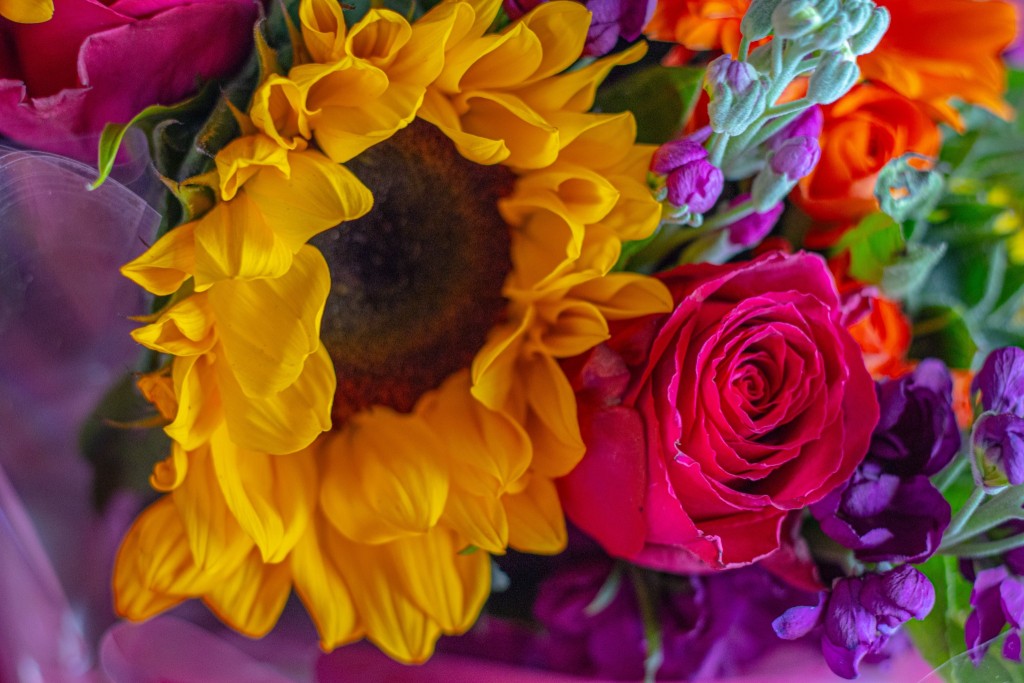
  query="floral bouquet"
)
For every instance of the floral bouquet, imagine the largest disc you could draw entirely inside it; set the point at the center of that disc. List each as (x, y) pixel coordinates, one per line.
(540, 339)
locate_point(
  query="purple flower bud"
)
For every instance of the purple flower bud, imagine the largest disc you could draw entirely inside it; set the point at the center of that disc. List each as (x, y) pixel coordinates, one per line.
(1001, 381)
(807, 124)
(998, 441)
(997, 599)
(726, 72)
(517, 8)
(796, 157)
(863, 612)
(749, 231)
(692, 182)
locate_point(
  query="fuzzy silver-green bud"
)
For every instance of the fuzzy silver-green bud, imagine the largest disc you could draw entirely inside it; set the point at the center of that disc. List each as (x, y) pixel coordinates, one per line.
(797, 18)
(757, 20)
(835, 74)
(867, 38)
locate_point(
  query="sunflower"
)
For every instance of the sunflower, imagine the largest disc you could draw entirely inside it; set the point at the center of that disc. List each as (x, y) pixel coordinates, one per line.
(26, 11)
(366, 402)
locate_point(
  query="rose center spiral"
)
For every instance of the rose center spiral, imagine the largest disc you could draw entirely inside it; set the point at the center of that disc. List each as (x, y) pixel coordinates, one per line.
(416, 283)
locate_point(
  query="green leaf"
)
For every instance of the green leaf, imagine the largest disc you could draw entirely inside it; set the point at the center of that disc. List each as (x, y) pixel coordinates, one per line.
(941, 332)
(874, 243)
(909, 272)
(661, 98)
(113, 133)
(121, 452)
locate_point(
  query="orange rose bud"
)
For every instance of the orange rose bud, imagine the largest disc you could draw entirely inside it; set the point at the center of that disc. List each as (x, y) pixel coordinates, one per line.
(863, 131)
(883, 335)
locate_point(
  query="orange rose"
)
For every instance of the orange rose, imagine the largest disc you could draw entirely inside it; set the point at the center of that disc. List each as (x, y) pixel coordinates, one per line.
(697, 25)
(938, 49)
(862, 132)
(883, 335)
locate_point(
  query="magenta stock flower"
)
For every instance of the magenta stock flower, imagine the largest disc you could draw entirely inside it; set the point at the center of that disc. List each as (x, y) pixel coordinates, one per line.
(998, 600)
(693, 183)
(103, 62)
(998, 434)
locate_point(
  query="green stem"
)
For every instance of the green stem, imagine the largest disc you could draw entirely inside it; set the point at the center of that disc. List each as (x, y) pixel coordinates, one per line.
(728, 216)
(744, 50)
(1003, 507)
(946, 477)
(985, 548)
(964, 514)
(652, 626)
(716, 148)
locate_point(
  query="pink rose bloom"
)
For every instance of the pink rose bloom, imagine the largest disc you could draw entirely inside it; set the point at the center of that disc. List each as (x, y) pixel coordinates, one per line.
(99, 62)
(707, 426)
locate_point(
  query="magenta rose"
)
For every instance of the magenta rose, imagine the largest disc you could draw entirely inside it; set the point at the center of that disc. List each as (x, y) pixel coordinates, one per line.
(99, 62)
(707, 426)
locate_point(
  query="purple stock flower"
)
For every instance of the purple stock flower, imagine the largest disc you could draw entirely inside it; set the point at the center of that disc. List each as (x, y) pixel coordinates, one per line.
(807, 124)
(750, 230)
(999, 439)
(889, 510)
(710, 625)
(611, 20)
(998, 435)
(796, 157)
(997, 599)
(860, 615)
(1001, 381)
(692, 181)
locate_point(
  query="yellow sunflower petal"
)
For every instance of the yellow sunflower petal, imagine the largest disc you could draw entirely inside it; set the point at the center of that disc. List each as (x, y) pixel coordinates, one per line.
(233, 240)
(575, 90)
(384, 477)
(448, 585)
(552, 424)
(491, 62)
(165, 266)
(532, 142)
(278, 110)
(285, 422)
(488, 450)
(595, 141)
(396, 624)
(154, 569)
(481, 520)
(494, 365)
(481, 150)
(244, 157)
(535, 519)
(268, 327)
(184, 329)
(378, 37)
(625, 295)
(271, 496)
(561, 27)
(573, 327)
(252, 597)
(27, 11)
(199, 404)
(169, 473)
(317, 196)
(420, 61)
(158, 388)
(212, 531)
(316, 563)
(582, 195)
(323, 29)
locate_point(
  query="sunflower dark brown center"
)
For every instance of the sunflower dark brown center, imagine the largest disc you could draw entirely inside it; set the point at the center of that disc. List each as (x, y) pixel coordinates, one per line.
(416, 283)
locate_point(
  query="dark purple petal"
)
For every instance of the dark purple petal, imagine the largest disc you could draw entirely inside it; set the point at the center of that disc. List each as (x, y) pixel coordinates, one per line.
(987, 619)
(1001, 381)
(750, 230)
(797, 622)
(1011, 596)
(1011, 646)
